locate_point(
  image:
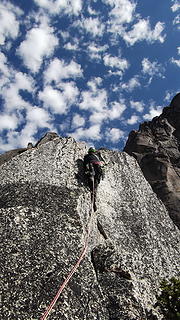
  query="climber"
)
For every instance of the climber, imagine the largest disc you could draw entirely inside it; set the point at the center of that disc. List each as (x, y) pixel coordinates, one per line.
(93, 171)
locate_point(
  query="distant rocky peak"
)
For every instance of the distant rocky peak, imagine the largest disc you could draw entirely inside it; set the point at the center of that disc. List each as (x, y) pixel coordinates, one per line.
(156, 147)
(49, 136)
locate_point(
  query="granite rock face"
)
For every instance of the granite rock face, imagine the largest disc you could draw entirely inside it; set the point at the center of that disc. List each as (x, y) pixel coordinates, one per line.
(156, 146)
(45, 209)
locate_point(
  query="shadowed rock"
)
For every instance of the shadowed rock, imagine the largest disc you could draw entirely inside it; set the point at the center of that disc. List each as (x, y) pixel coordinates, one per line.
(45, 207)
(156, 146)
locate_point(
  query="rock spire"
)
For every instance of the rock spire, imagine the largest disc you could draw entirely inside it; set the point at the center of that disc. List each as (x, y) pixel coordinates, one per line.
(156, 146)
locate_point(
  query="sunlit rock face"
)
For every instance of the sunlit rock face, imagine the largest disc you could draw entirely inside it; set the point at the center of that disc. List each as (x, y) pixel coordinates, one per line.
(45, 208)
(156, 146)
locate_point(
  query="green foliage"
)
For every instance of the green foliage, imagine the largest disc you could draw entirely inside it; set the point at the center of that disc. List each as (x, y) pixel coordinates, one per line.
(169, 299)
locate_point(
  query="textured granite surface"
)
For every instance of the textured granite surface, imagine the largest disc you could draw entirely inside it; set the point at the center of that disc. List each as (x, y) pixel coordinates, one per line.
(44, 207)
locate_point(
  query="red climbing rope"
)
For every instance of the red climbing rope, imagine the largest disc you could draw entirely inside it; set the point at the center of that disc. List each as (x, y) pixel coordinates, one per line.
(74, 268)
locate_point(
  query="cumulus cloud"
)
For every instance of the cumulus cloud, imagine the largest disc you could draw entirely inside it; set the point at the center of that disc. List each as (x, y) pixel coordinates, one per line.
(8, 122)
(131, 84)
(40, 43)
(5, 73)
(176, 61)
(152, 68)
(153, 112)
(94, 99)
(77, 121)
(114, 135)
(176, 21)
(137, 105)
(91, 133)
(59, 69)
(133, 119)
(98, 117)
(176, 6)
(59, 100)
(93, 26)
(95, 51)
(142, 31)
(10, 92)
(57, 6)
(53, 99)
(39, 117)
(122, 11)
(71, 46)
(116, 110)
(116, 63)
(36, 119)
(169, 95)
(9, 21)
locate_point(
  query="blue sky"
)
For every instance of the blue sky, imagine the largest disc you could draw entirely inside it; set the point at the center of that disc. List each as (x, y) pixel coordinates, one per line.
(91, 69)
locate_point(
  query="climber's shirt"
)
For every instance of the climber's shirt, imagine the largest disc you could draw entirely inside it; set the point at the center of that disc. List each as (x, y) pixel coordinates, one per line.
(91, 158)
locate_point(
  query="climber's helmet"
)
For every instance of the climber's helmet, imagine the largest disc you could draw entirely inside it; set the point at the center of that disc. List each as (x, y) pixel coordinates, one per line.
(91, 150)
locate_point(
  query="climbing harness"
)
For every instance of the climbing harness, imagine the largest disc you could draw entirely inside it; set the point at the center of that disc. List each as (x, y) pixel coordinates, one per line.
(74, 268)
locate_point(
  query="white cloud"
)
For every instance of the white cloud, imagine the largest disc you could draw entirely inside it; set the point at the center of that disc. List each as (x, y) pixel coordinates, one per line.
(98, 117)
(142, 31)
(176, 21)
(71, 46)
(116, 110)
(77, 121)
(122, 12)
(116, 63)
(27, 134)
(59, 101)
(91, 133)
(34, 119)
(178, 50)
(69, 91)
(139, 106)
(133, 119)
(57, 6)
(94, 83)
(169, 95)
(93, 26)
(95, 51)
(152, 68)
(153, 112)
(9, 24)
(40, 43)
(176, 62)
(131, 84)
(39, 117)
(91, 11)
(59, 69)
(8, 122)
(53, 99)
(176, 6)
(10, 92)
(5, 73)
(94, 99)
(114, 135)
